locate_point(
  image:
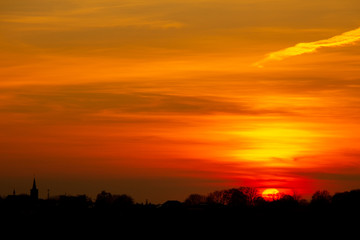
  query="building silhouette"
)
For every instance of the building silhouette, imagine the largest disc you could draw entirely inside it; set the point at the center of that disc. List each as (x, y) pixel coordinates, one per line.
(34, 192)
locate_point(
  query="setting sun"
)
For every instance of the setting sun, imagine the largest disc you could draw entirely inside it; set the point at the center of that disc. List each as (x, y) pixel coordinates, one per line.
(271, 194)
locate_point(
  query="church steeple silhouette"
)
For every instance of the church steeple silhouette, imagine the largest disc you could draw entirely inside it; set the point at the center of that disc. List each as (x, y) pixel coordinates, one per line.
(34, 192)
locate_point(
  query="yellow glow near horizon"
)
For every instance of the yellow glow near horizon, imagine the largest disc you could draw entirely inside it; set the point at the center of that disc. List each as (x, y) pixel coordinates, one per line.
(275, 143)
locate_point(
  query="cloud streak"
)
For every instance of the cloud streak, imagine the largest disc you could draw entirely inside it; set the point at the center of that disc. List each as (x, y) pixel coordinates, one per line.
(73, 101)
(302, 48)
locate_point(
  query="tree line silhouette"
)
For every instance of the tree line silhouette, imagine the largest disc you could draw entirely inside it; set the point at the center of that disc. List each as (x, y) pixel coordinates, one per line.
(235, 198)
(242, 207)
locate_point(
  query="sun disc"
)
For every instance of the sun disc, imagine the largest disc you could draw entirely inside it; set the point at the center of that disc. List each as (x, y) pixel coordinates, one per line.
(271, 194)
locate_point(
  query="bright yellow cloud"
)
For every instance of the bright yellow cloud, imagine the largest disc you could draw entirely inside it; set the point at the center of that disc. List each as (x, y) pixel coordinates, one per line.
(302, 48)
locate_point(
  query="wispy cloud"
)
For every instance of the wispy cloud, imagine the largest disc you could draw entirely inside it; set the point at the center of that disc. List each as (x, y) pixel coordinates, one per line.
(302, 48)
(73, 100)
(66, 22)
(66, 16)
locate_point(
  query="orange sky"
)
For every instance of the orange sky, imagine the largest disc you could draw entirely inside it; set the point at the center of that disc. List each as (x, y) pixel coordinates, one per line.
(159, 99)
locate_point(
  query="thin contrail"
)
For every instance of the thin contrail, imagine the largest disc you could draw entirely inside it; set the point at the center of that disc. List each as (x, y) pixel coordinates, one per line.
(301, 48)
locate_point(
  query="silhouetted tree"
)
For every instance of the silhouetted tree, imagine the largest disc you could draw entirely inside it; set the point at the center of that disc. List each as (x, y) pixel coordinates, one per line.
(195, 199)
(321, 199)
(122, 201)
(245, 195)
(259, 201)
(103, 200)
(237, 198)
(296, 196)
(347, 200)
(288, 201)
(227, 196)
(216, 198)
(251, 194)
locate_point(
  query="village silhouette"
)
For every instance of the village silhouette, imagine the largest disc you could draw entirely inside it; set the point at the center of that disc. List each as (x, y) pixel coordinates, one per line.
(243, 205)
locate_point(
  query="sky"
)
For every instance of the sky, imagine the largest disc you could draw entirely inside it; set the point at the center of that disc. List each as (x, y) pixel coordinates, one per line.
(160, 99)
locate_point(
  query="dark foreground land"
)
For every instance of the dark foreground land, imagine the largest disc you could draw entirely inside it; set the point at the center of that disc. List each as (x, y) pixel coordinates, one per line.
(228, 213)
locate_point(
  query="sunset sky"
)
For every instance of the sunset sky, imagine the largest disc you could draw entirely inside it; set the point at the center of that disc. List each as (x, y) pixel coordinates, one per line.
(163, 98)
